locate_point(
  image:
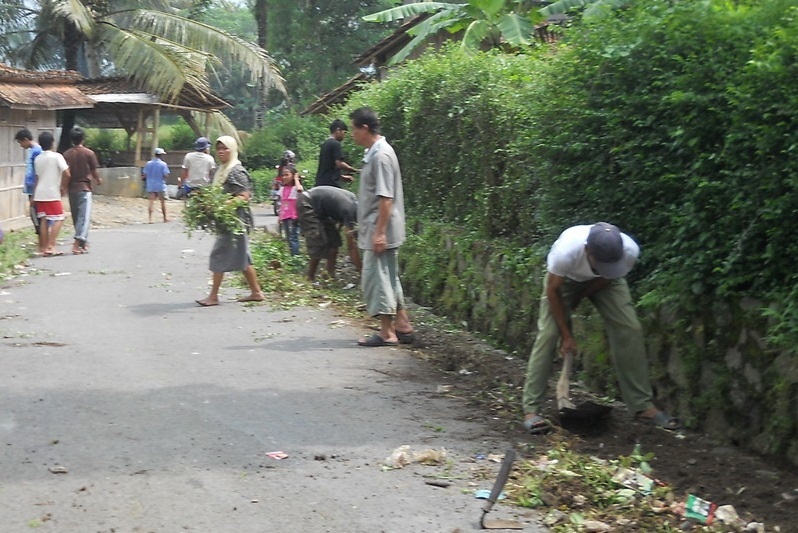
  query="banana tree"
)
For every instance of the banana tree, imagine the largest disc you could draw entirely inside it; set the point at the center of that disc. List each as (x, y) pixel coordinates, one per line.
(484, 23)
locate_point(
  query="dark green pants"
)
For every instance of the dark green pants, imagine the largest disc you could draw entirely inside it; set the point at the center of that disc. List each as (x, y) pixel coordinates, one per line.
(625, 335)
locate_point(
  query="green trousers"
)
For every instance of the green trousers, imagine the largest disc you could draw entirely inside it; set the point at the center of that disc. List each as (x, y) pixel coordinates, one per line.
(625, 335)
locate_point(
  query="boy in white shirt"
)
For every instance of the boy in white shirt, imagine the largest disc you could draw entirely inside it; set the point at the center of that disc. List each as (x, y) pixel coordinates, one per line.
(52, 179)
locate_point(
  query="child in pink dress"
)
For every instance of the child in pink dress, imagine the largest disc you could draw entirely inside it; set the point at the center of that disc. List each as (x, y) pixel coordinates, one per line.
(289, 222)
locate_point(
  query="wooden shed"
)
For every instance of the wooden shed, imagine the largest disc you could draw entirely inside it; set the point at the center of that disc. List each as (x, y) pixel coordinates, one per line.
(29, 100)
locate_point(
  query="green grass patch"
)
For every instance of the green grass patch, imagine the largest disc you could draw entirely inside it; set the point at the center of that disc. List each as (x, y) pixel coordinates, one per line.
(17, 247)
(283, 278)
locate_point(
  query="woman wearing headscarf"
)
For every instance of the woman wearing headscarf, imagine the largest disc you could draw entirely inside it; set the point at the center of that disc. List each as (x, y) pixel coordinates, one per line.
(231, 252)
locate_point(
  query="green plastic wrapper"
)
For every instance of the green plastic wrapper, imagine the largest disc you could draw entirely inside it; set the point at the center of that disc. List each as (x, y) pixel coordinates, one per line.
(699, 510)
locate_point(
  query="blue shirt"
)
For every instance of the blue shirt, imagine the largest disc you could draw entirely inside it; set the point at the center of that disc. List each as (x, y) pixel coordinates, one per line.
(30, 171)
(156, 172)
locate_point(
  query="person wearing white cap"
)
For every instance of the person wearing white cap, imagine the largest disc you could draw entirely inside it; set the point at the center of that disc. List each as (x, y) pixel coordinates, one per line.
(590, 261)
(155, 173)
(198, 167)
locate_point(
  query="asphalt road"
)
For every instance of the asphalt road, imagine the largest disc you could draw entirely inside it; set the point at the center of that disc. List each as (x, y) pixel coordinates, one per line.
(125, 407)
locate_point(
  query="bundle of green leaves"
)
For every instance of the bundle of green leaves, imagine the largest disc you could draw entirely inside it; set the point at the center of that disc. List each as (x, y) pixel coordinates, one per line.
(213, 210)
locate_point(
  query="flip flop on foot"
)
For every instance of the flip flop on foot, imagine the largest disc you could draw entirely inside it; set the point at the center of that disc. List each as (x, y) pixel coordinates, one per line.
(53, 254)
(405, 338)
(661, 420)
(537, 425)
(206, 303)
(376, 340)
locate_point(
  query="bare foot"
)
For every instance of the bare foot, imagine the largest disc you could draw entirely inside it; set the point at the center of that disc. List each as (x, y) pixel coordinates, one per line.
(208, 302)
(255, 297)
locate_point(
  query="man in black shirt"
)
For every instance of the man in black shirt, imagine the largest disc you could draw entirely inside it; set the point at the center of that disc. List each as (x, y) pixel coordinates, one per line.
(331, 158)
(322, 212)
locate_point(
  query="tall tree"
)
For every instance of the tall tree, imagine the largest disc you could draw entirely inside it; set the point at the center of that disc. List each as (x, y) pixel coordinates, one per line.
(315, 41)
(147, 41)
(261, 11)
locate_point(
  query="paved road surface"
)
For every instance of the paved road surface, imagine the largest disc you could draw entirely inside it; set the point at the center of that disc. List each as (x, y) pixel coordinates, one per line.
(162, 412)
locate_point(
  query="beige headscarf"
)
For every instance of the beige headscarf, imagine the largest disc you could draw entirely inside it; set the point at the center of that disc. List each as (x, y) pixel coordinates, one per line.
(224, 170)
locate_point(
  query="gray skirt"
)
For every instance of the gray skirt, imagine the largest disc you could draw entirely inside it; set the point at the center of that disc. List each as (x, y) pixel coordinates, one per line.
(230, 253)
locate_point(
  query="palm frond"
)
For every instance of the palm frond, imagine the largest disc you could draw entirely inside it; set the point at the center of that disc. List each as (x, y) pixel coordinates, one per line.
(161, 66)
(202, 37)
(76, 13)
(11, 11)
(218, 124)
(37, 53)
(411, 10)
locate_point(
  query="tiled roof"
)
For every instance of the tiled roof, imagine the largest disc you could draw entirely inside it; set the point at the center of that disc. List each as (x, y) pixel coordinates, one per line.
(49, 90)
(15, 75)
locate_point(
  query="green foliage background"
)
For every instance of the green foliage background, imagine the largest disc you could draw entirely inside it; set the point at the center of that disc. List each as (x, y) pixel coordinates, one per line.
(285, 131)
(674, 121)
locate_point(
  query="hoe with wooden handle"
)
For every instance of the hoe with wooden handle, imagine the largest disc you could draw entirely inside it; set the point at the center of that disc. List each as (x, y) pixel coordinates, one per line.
(585, 410)
(564, 384)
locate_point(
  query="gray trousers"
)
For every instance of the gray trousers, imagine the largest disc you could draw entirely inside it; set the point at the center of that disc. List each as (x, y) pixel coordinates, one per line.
(382, 290)
(625, 335)
(80, 206)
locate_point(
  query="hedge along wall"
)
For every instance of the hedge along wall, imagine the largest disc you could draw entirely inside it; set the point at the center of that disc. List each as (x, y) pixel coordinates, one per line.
(676, 122)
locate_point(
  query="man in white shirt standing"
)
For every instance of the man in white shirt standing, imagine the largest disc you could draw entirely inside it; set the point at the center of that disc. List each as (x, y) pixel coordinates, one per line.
(52, 179)
(590, 261)
(198, 167)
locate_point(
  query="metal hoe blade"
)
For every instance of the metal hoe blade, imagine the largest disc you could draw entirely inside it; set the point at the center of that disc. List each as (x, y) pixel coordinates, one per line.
(498, 485)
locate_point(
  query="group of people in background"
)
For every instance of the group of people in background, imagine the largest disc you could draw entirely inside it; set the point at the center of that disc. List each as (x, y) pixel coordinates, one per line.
(197, 171)
(373, 221)
(48, 177)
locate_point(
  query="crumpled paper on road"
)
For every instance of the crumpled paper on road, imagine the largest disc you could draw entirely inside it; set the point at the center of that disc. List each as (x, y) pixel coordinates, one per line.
(403, 456)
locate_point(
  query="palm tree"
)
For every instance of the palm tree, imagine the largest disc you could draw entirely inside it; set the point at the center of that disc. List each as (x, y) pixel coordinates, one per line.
(484, 23)
(147, 41)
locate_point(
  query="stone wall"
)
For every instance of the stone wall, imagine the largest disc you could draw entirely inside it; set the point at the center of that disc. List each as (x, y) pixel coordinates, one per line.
(710, 366)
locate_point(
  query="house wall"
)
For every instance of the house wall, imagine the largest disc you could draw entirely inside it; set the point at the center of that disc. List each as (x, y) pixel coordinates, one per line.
(13, 204)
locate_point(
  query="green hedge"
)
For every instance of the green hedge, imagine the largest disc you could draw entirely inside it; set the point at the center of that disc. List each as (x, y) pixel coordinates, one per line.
(675, 121)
